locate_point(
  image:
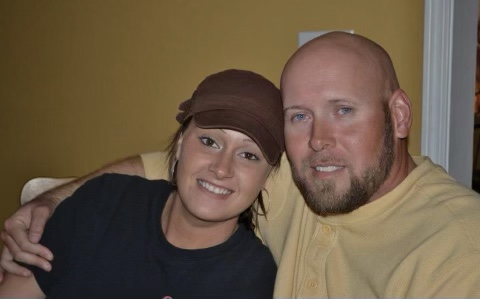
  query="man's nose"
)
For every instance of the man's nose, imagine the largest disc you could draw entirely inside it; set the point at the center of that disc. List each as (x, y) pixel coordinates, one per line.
(321, 136)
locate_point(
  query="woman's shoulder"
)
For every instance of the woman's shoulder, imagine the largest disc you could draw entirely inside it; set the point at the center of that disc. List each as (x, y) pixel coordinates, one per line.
(252, 246)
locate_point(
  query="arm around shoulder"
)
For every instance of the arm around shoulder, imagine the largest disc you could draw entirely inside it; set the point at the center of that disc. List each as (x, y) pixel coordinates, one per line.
(33, 216)
(132, 166)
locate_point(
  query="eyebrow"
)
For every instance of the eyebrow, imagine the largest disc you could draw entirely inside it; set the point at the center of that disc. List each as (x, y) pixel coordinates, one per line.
(294, 107)
(332, 101)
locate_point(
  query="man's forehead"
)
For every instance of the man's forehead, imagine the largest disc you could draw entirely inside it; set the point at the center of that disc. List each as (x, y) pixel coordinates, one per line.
(324, 77)
(332, 91)
(322, 68)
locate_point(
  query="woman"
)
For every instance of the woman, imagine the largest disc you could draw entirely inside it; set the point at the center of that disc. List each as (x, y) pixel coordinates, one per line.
(125, 236)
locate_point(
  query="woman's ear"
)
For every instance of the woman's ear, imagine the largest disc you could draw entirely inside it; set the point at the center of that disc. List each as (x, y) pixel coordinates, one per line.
(178, 151)
(401, 112)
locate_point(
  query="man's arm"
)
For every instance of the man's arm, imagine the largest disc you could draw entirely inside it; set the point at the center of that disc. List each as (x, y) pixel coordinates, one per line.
(24, 228)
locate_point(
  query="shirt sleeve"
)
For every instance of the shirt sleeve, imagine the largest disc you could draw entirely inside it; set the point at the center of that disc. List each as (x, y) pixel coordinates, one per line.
(155, 165)
(458, 277)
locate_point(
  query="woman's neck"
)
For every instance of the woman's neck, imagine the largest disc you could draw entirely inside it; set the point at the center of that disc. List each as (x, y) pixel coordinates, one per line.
(184, 230)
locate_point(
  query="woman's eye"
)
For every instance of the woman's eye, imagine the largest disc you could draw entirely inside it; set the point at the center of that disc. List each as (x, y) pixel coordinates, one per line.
(208, 142)
(249, 156)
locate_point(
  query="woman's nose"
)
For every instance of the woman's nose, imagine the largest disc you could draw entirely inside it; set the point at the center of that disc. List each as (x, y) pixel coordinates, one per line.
(222, 165)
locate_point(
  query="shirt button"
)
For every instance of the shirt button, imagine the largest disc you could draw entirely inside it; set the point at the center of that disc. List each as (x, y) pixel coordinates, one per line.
(327, 229)
(312, 284)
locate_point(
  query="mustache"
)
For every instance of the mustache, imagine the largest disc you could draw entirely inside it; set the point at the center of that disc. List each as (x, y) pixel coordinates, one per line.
(323, 159)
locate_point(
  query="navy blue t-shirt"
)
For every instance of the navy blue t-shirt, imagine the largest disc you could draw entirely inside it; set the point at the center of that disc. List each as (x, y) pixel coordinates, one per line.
(108, 242)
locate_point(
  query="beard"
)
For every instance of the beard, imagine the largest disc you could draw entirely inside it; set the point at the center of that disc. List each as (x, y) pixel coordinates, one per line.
(320, 195)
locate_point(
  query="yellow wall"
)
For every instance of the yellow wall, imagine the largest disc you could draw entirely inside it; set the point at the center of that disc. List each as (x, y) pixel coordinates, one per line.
(87, 82)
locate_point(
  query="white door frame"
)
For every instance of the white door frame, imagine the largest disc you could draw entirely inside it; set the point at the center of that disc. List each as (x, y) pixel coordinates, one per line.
(450, 36)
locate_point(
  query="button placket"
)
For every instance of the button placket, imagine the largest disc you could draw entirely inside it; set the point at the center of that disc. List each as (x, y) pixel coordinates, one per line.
(312, 284)
(316, 256)
(327, 229)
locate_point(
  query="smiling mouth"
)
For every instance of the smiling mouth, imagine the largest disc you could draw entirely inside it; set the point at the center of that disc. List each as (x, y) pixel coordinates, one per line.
(328, 168)
(214, 189)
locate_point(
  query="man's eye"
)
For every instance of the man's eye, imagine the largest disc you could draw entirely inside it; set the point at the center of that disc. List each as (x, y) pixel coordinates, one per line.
(345, 110)
(249, 156)
(208, 142)
(299, 117)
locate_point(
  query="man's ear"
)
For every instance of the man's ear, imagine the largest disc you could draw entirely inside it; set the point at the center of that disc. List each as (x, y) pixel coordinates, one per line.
(401, 112)
(178, 151)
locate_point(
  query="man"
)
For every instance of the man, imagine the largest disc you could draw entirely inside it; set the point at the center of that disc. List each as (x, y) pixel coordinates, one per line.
(373, 221)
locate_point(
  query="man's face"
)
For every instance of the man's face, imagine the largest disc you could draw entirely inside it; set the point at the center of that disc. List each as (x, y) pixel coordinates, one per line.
(338, 131)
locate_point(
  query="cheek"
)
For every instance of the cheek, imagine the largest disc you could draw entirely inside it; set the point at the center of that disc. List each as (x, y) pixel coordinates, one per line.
(181, 177)
(364, 138)
(252, 182)
(296, 145)
(364, 148)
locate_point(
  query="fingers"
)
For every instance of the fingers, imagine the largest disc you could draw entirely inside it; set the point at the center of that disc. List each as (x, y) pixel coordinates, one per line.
(22, 232)
(40, 216)
(12, 252)
(18, 232)
(8, 264)
(17, 241)
(19, 245)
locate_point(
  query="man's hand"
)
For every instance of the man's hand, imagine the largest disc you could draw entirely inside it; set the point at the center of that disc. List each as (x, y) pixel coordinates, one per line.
(20, 237)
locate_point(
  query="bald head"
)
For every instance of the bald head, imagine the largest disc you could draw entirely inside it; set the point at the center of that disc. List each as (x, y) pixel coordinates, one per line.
(365, 57)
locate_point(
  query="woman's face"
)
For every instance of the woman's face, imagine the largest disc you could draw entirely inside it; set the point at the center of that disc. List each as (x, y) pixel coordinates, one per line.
(219, 173)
